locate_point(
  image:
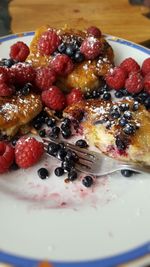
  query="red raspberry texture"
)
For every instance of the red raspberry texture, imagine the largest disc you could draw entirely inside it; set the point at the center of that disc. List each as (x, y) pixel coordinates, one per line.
(62, 64)
(94, 31)
(116, 78)
(44, 78)
(22, 73)
(5, 88)
(146, 66)
(130, 65)
(134, 83)
(54, 98)
(91, 47)
(19, 51)
(7, 156)
(147, 82)
(74, 96)
(48, 42)
(28, 152)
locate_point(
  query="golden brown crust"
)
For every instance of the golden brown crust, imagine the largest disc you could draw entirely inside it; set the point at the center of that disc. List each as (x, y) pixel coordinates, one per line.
(17, 111)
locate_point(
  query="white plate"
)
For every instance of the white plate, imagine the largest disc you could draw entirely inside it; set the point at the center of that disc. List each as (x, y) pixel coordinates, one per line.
(68, 224)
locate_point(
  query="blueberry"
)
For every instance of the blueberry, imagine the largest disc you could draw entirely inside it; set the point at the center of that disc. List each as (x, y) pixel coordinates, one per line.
(51, 122)
(95, 94)
(124, 92)
(56, 130)
(42, 133)
(115, 114)
(43, 173)
(62, 48)
(135, 106)
(119, 94)
(124, 106)
(120, 143)
(127, 115)
(127, 173)
(53, 136)
(70, 49)
(26, 89)
(59, 171)
(72, 175)
(106, 96)
(61, 154)
(66, 123)
(14, 140)
(87, 181)
(71, 155)
(143, 96)
(66, 133)
(147, 103)
(7, 62)
(129, 129)
(88, 95)
(122, 121)
(78, 57)
(53, 149)
(81, 143)
(67, 165)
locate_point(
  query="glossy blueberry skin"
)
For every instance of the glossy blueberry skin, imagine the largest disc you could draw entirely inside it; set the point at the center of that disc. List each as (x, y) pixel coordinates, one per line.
(87, 181)
(107, 96)
(42, 133)
(43, 173)
(52, 149)
(127, 173)
(59, 171)
(81, 143)
(129, 129)
(72, 175)
(123, 121)
(78, 57)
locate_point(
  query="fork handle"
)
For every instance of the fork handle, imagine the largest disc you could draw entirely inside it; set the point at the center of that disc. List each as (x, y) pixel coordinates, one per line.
(134, 167)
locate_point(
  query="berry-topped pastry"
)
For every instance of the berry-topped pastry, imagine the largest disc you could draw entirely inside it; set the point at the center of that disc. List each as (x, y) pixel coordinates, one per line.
(79, 58)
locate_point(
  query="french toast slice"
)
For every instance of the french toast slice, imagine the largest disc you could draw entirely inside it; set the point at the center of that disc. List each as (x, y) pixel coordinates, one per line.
(17, 111)
(86, 75)
(105, 132)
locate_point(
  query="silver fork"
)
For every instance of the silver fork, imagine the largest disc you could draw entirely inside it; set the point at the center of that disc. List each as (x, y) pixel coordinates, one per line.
(98, 164)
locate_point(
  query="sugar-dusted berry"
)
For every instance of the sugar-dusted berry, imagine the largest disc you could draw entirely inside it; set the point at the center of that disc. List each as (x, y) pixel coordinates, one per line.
(134, 83)
(44, 78)
(147, 83)
(6, 156)
(91, 47)
(94, 31)
(130, 65)
(74, 96)
(115, 79)
(19, 51)
(28, 151)
(54, 98)
(22, 73)
(146, 66)
(62, 64)
(48, 42)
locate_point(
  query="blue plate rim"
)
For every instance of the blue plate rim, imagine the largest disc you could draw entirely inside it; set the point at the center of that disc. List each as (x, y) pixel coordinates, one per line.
(130, 255)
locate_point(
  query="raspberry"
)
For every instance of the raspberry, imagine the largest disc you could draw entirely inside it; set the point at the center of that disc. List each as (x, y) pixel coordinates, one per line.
(4, 74)
(22, 73)
(91, 47)
(147, 82)
(116, 78)
(54, 98)
(19, 51)
(28, 151)
(48, 42)
(62, 64)
(134, 83)
(94, 31)
(74, 96)
(44, 78)
(6, 156)
(5, 90)
(146, 66)
(130, 65)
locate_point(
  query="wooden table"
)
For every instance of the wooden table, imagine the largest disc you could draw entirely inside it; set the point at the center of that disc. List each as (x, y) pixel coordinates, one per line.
(115, 17)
